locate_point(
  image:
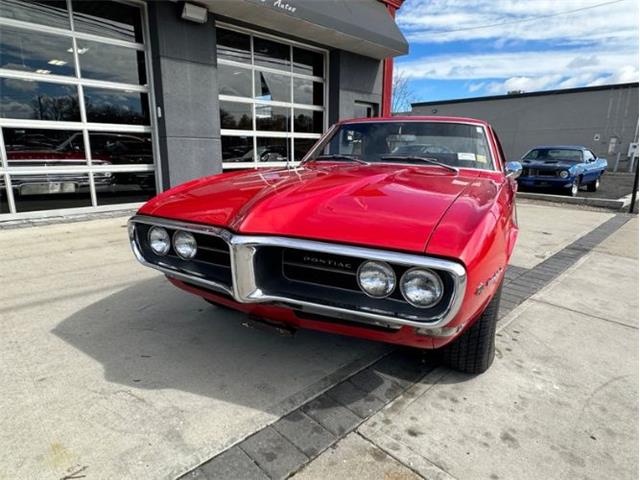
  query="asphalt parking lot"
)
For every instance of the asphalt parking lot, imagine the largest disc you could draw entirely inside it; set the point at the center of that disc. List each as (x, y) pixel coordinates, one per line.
(612, 186)
(614, 193)
(109, 372)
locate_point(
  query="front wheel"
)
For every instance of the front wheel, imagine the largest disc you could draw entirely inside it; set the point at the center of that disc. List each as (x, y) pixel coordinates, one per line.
(575, 187)
(594, 186)
(474, 350)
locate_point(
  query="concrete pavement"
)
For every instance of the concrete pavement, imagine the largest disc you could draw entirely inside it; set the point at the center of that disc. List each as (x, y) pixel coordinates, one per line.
(109, 372)
(560, 401)
(545, 230)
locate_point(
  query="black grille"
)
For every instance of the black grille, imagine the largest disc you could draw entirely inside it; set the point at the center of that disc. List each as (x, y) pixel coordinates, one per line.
(532, 172)
(212, 261)
(320, 268)
(331, 280)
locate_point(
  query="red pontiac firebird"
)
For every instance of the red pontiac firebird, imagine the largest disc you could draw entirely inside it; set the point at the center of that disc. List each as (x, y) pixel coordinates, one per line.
(393, 229)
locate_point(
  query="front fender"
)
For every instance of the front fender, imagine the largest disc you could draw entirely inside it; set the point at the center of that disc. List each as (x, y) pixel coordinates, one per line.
(576, 172)
(481, 235)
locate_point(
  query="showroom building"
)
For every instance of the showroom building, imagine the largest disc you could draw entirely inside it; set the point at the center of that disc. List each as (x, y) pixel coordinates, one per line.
(103, 104)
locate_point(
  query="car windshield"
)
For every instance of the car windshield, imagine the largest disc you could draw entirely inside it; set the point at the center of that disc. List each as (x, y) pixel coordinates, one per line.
(451, 144)
(565, 154)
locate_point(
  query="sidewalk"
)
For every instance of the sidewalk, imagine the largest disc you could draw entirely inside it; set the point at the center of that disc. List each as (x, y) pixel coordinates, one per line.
(560, 401)
(107, 371)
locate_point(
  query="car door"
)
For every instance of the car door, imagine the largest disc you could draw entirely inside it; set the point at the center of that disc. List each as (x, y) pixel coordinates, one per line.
(590, 167)
(600, 165)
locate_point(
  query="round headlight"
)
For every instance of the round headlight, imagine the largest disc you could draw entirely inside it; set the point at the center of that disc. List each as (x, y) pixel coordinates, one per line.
(564, 174)
(185, 245)
(159, 240)
(376, 279)
(421, 288)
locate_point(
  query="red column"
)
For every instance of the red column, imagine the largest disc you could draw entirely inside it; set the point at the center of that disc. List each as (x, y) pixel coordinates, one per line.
(387, 66)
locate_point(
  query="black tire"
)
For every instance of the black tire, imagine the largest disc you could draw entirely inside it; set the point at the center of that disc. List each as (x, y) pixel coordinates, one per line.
(474, 351)
(594, 186)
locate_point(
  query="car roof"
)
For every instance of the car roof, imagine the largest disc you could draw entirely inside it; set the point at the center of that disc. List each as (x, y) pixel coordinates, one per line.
(416, 118)
(561, 147)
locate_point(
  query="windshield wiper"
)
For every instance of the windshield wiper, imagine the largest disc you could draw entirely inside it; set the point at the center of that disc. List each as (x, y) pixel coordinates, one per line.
(416, 158)
(339, 158)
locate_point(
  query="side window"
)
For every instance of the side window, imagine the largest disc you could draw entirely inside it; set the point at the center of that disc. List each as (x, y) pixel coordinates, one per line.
(589, 156)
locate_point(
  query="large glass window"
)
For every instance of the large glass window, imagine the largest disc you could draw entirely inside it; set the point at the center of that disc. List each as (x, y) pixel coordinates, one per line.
(46, 191)
(233, 45)
(74, 105)
(32, 100)
(35, 52)
(106, 105)
(37, 147)
(237, 149)
(50, 13)
(234, 81)
(271, 54)
(103, 18)
(117, 148)
(272, 86)
(113, 63)
(236, 115)
(274, 90)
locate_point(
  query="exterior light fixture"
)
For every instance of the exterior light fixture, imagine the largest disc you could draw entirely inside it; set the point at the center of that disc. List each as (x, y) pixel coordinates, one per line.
(194, 13)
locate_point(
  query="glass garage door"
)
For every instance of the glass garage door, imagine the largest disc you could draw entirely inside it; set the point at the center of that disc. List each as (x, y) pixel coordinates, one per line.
(75, 129)
(272, 98)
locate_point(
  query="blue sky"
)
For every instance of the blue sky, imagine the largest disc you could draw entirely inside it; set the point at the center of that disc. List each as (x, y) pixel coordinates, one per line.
(471, 48)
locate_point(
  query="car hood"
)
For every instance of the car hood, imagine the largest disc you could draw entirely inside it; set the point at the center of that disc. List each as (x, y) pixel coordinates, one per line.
(389, 206)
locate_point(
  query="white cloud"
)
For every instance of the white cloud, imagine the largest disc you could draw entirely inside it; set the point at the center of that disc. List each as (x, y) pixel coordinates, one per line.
(453, 20)
(524, 45)
(468, 66)
(474, 87)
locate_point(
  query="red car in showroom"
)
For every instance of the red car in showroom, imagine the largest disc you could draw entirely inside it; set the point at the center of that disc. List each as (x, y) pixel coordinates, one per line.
(393, 229)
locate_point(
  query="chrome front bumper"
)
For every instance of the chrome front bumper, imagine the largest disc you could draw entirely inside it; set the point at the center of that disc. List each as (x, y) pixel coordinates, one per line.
(244, 288)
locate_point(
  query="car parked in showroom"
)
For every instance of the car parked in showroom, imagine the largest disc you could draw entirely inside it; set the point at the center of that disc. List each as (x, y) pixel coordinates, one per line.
(562, 167)
(363, 238)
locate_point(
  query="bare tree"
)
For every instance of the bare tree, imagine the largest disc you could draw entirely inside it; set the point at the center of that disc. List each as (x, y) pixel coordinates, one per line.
(403, 95)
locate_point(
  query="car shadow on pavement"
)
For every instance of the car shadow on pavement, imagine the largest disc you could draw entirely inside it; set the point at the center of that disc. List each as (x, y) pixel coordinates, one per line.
(154, 336)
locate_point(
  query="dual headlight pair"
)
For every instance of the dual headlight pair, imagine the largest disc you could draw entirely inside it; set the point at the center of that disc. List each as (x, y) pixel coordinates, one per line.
(184, 243)
(420, 287)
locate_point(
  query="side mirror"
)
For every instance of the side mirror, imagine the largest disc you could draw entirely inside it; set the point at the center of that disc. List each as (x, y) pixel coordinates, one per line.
(513, 169)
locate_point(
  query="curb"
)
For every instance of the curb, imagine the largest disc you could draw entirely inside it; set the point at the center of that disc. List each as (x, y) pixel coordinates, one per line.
(590, 202)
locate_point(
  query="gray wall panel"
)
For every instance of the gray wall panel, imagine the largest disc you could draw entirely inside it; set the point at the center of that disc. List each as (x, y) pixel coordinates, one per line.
(177, 36)
(352, 78)
(187, 156)
(189, 108)
(186, 90)
(562, 118)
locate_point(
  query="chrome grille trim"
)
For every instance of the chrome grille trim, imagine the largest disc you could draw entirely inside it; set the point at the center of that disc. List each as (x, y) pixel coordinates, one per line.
(245, 290)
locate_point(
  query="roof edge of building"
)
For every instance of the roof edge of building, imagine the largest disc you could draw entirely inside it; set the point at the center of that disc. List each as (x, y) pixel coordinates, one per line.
(527, 94)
